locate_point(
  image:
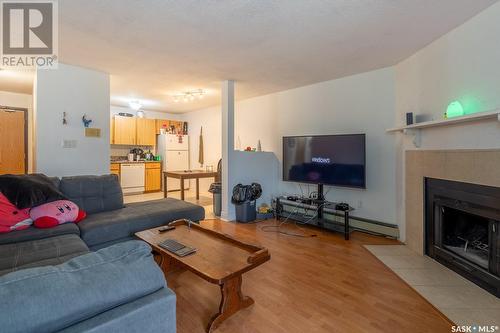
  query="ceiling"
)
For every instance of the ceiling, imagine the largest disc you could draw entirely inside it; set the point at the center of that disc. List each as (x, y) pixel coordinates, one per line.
(154, 49)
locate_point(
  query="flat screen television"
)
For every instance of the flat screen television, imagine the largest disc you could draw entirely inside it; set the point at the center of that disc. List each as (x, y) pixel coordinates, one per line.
(337, 160)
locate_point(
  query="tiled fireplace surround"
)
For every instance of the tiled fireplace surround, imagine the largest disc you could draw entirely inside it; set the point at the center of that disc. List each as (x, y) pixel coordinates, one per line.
(457, 298)
(469, 166)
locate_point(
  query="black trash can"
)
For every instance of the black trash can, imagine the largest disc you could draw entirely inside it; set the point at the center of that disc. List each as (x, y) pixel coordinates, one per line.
(246, 211)
(216, 190)
(243, 198)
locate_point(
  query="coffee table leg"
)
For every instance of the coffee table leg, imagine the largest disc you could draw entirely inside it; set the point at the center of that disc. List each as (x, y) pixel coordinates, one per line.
(158, 257)
(231, 302)
(164, 261)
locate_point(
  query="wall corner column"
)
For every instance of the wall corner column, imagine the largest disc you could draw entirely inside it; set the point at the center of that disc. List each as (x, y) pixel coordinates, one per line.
(227, 92)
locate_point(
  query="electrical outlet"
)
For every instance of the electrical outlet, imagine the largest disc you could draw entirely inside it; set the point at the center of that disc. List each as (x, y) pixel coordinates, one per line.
(69, 144)
(360, 204)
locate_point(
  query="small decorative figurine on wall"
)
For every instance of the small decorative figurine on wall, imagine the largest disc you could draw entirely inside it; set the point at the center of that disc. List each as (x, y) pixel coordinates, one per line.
(86, 122)
(64, 120)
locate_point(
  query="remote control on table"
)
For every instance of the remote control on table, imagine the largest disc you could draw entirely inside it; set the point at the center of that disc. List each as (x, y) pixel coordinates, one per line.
(166, 228)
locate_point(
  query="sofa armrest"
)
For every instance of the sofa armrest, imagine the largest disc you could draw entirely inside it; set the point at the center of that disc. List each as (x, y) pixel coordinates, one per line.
(154, 313)
(51, 298)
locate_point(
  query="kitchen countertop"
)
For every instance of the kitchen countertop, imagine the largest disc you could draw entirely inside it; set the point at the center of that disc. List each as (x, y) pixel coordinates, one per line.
(128, 162)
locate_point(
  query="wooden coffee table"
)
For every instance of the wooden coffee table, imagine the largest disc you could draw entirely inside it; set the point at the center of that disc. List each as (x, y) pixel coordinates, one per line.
(219, 259)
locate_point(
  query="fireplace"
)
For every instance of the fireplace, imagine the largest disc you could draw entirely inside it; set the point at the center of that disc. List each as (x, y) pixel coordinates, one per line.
(461, 229)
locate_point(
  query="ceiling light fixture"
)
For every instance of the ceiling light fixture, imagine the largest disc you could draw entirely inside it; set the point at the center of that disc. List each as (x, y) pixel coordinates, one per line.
(189, 95)
(135, 105)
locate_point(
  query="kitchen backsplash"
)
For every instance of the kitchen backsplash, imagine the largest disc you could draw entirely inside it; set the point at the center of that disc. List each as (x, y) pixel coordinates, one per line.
(118, 150)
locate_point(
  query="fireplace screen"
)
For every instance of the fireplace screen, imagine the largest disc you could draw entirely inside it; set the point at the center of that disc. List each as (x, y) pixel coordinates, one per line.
(461, 229)
(466, 235)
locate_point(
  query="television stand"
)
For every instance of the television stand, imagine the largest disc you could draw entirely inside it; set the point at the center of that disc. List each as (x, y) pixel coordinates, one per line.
(319, 208)
(320, 198)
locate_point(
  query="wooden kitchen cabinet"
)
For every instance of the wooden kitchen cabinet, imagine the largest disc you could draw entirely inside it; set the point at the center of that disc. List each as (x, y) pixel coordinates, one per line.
(153, 177)
(139, 131)
(146, 132)
(114, 169)
(162, 123)
(124, 132)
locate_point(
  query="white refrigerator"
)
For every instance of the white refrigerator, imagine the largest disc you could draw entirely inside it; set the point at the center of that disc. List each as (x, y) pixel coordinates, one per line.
(174, 152)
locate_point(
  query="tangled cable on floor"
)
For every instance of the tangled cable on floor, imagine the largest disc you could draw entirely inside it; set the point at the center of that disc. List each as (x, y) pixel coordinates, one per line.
(278, 227)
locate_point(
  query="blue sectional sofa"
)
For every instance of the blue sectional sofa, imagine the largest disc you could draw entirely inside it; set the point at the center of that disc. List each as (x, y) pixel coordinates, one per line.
(91, 276)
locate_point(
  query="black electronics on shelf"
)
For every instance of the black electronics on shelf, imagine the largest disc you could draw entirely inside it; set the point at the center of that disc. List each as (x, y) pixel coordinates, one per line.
(320, 207)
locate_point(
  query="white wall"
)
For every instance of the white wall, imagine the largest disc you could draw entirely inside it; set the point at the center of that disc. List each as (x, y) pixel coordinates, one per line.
(76, 91)
(362, 103)
(462, 65)
(22, 101)
(211, 121)
(258, 119)
(258, 167)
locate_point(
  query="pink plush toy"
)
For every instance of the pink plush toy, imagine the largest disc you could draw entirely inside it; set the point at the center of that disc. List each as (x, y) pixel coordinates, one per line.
(57, 212)
(12, 218)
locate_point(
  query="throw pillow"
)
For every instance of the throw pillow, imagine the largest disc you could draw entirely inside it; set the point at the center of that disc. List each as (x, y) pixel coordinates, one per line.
(12, 218)
(57, 212)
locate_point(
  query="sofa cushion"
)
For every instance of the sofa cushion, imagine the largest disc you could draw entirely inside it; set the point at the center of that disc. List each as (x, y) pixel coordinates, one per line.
(109, 226)
(41, 252)
(154, 313)
(33, 233)
(93, 194)
(51, 298)
(113, 242)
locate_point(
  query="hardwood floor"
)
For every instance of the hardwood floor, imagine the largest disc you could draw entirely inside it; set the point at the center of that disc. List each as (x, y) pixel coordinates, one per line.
(314, 284)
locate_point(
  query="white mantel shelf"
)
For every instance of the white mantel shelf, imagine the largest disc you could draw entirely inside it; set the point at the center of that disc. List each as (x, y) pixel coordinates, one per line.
(416, 129)
(450, 121)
